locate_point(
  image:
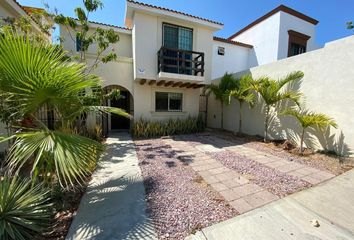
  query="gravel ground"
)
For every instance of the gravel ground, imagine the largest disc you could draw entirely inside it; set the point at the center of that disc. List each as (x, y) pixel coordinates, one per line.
(334, 164)
(276, 182)
(179, 201)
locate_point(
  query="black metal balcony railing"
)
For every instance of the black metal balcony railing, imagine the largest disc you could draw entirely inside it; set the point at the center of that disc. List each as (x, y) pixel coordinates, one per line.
(180, 61)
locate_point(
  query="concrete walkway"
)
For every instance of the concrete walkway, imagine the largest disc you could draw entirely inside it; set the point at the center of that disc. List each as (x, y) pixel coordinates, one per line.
(114, 206)
(331, 203)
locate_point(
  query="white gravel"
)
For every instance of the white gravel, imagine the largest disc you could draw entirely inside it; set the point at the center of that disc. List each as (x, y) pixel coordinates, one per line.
(178, 200)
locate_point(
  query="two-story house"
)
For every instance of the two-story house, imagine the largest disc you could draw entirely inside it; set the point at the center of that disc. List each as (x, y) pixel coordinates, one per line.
(165, 57)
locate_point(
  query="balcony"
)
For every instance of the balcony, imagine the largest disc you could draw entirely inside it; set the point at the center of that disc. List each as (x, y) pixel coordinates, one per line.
(174, 65)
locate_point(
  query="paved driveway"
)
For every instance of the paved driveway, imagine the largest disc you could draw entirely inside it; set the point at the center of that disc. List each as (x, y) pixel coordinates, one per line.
(245, 177)
(330, 204)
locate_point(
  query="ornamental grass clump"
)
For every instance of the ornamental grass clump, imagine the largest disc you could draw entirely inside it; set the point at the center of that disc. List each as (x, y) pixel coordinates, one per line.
(147, 129)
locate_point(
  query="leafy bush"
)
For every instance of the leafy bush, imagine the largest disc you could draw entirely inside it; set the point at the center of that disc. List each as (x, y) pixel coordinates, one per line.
(25, 210)
(146, 129)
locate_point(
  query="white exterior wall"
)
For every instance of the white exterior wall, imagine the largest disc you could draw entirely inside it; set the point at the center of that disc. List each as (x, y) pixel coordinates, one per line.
(265, 39)
(144, 102)
(147, 40)
(327, 86)
(119, 72)
(235, 59)
(289, 22)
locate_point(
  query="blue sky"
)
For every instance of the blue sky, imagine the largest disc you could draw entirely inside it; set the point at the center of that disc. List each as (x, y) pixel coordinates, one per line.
(235, 14)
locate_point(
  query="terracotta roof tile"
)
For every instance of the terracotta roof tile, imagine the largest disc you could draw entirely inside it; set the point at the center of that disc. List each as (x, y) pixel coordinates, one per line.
(174, 11)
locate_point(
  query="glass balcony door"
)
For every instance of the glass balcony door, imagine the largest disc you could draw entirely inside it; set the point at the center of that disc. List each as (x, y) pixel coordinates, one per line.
(178, 38)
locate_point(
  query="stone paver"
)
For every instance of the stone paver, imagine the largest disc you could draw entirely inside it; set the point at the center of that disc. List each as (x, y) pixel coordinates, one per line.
(306, 173)
(238, 190)
(114, 206)
(231, 185)
(330, 203)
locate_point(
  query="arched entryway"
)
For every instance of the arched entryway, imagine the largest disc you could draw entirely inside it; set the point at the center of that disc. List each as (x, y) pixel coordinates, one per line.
(113, 122)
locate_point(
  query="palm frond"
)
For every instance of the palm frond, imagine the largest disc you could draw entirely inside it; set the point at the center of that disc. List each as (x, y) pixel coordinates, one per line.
(36, 74)
(310, 119)
(107, 109)
(294, 76)
(69, 155)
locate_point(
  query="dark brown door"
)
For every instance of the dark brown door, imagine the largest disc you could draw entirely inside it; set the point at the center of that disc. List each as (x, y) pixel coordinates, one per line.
(119, 122)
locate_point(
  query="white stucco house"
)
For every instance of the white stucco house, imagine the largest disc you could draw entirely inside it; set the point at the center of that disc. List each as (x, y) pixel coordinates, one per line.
(166, 56)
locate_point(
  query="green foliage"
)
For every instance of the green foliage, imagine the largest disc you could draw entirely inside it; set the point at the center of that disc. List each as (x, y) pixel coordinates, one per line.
(25, 210)
(101, 38)
(222, 91)
(350, 25)
(36, 74)
(271, 92)
(242, 93)
(66, 154)
(308, 119)
(148, 129)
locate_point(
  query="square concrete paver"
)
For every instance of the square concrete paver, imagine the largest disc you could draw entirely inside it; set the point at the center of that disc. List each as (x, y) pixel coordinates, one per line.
(241, 205)
(247, 189)
(219, 186)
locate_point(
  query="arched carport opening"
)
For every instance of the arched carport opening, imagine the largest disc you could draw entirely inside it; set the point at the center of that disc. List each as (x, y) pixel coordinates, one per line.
(113, 122)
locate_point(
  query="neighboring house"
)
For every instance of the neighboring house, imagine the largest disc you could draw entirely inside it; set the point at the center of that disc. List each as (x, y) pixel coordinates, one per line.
(11, 9)
(281, 33)
(166, 57)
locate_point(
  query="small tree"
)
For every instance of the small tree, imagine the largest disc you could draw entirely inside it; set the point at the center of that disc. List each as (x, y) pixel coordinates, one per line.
(242, 93)
(350, 25)
(99, 37)
(308, 119)
(271, 92)
(222, 92)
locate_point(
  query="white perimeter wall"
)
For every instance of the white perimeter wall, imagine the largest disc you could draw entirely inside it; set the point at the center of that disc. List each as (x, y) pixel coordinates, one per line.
(234, 60)
(328, 86)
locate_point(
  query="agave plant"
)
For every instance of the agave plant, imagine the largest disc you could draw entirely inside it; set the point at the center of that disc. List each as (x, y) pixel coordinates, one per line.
(271, 92)
(222, 92)
(36, 74)
(242, 93)
(308, 119)
(25, 210)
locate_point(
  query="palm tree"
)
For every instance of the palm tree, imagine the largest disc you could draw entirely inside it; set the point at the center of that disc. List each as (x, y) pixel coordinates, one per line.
(242, 93)
(308, 119)
(222, 91)
(34, 74)
(270, 91)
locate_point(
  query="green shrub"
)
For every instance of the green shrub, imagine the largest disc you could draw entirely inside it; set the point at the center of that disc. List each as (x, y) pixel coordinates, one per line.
(147, 129)
(25, 210)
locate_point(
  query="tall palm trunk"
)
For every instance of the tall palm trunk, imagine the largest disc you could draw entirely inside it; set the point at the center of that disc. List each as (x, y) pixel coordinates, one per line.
(266, 123)
(302, 141)
(222, 115)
